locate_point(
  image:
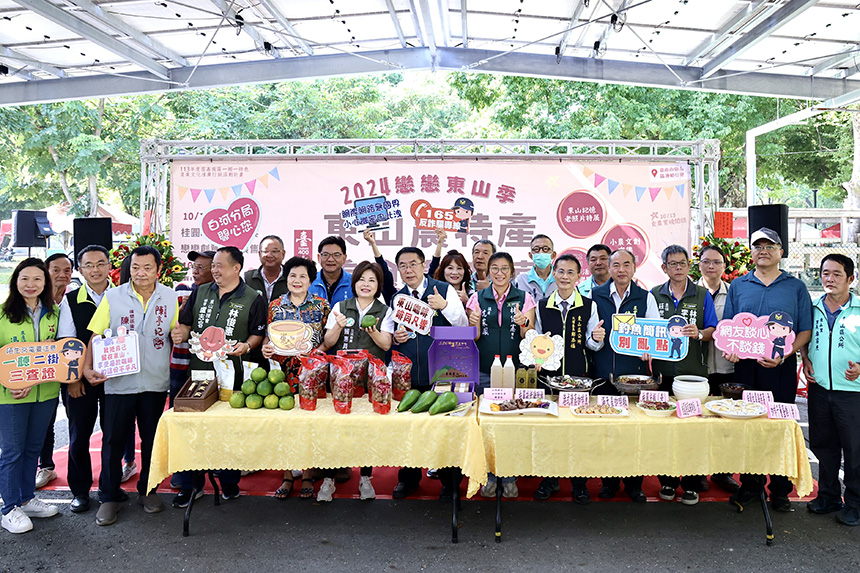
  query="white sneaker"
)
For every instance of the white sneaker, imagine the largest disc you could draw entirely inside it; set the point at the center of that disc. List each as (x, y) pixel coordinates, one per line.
(44, 477)
(128, 471)
(489, 489)
(365, 488)
(38, 508)
(326, 490)
(510, 490)
(16, 521)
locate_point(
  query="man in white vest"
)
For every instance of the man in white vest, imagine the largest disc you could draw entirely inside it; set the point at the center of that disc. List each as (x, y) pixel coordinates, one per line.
(149, 309)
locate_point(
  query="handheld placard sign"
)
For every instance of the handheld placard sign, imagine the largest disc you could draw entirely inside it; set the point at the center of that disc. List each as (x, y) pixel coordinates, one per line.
(290, 337)
(544, 350)
(116, 355)
(25, 364)
(662, 338)
(412, 313)
(751, 336)
(211, 345)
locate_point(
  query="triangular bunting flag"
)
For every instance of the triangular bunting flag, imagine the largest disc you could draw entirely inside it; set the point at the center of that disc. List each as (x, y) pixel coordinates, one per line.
(626, 188)
(680, 189)
(639, 192)
(587, 172)
(250, 185)
(182, 191)
(237, 190)
(274, 173)
(223, 192)
(195, 193)
(209, 194)
(612, 185)
(264, 180)
(654, 191)
(668, 192)
(598, 179)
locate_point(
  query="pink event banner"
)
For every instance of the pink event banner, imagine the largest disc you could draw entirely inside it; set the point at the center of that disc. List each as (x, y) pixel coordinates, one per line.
(576, 204)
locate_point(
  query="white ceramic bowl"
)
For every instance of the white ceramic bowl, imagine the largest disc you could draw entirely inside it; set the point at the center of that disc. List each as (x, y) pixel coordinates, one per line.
(687, 390)
(690, 378)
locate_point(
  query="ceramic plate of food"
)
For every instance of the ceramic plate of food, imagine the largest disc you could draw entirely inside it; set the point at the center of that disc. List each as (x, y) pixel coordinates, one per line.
(657, 409)
(518, 407)
(602, 411)
(736, 409)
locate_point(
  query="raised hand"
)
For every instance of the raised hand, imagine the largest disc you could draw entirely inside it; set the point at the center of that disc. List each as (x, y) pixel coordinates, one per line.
(853, 371)
(436, 301)
(599, 333)
(519, 318)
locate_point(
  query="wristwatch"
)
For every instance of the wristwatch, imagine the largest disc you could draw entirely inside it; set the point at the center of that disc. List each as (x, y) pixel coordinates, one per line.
(701, 336)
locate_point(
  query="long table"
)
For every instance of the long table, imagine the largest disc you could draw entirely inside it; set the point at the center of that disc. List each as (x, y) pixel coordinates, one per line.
(639, 444)
(241, 439)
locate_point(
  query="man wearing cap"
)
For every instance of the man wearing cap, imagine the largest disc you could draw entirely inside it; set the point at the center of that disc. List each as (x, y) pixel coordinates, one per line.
(761, 293)
(463, 209)
(539, 281)
(83, 400)
(832, 370)
(691, 314)
(180, 358)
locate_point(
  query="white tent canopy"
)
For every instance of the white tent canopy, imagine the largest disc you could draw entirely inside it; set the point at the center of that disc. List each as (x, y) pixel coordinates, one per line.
(70, 49)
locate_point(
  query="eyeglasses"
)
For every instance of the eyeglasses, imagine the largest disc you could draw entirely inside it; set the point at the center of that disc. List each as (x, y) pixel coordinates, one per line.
(201, 267)
(90, 266)
(331, 255)
(564, 273)
(711, 262)
(496, 270)
(537, 250)
(767, 248)
(276, 252)
(409, 266)
(677, 264)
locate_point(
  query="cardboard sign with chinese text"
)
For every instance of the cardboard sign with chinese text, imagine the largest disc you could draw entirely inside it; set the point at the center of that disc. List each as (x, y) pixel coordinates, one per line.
(498, 394)
(412, 313)
(653, 396)
(634, 336)
(614, 401)
(688, 408)
(782, 411)
(25, 364)
(116, 355)
(529, 393)
(763, 397)
(372, 213)
(751, 336)
(454, 220)
(572, 399)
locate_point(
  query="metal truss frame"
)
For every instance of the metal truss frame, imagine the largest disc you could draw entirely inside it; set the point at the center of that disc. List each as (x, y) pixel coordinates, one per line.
(156, 155)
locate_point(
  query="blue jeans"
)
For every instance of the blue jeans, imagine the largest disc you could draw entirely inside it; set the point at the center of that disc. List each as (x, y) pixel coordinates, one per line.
(22, 434)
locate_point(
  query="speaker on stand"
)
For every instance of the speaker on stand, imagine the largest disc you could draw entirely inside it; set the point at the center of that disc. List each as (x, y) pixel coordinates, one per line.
(774, 217)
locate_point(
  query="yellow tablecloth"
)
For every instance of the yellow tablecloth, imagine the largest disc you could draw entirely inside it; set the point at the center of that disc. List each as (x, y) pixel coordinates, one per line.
(242, 439)
(644, 445)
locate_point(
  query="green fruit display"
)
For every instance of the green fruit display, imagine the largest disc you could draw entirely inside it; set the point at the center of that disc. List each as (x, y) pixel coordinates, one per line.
(254, 402)
(408, 400)
(237, 400)
(271, 402)
(249, 387)
(287, 402)
(424, 402)
(277, 376)
(258, 374)
(282, 389)
(368, 321)
(264, 388)
(445, 403)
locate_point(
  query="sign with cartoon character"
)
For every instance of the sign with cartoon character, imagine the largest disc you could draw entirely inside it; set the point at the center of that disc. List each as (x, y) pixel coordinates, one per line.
(116, 355)
(290, 337)
(25, 364)
(544, 351)
(662, 338)
(211, 345)
(751, 336)
(454, 220)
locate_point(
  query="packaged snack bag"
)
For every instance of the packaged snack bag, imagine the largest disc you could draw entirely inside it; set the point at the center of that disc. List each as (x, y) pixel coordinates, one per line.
(401, 375)
(360, 360)
(310, 377)
(379, 387)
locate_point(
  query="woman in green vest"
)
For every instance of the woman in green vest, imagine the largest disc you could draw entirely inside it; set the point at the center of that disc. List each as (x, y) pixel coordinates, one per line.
(355, 324)
(28, 315)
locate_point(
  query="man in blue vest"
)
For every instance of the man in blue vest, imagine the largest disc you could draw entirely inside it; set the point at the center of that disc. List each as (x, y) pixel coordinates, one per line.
(539, 281)
(573, 317)
(621, 295)
(333, 283)
(597, 259)
(448, 311)
(830, 363)
(83, 400)
(761, 292)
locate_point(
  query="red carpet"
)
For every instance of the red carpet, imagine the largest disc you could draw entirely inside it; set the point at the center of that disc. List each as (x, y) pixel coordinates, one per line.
(385, 478)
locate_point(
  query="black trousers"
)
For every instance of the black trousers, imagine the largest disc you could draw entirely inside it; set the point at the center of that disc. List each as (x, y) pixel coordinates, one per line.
(715, 379)
(411, 476)
(82, 413)
(782, 381)
(630, 483)
(834, 432)
(46, 456)
(120, 413)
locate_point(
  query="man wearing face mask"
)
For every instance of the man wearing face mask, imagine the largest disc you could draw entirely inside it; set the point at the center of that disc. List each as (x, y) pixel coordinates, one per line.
(539, 281)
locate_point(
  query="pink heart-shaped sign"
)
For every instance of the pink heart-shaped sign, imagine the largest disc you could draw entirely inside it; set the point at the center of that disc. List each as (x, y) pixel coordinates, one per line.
(233, 226)
(747, 321)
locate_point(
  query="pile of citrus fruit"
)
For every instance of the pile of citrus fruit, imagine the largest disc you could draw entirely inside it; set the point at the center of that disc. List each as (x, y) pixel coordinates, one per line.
(264, 390)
